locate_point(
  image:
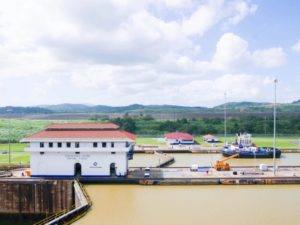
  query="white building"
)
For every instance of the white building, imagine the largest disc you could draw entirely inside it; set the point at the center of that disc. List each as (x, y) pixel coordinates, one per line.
(178, 138)
(86, 150)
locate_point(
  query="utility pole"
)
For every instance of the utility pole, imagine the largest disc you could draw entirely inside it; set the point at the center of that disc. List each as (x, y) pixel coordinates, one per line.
(274, 138)
(225, 120)
(9, 157)
(9, 134)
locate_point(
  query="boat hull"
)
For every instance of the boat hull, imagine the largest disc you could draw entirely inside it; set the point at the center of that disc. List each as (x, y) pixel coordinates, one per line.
(251, 154)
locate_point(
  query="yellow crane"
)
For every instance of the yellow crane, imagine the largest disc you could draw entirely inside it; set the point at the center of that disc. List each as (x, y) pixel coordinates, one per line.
(222, 164)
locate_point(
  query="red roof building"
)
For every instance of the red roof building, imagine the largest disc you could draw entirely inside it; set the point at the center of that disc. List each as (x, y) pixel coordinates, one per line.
(80, 150)
(179, 138)
(82, 131)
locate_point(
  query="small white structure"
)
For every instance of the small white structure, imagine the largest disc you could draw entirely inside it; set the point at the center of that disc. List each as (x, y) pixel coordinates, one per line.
(263, 167)
(210, 138)
(86, 150)
(194, 167)
(244, 139)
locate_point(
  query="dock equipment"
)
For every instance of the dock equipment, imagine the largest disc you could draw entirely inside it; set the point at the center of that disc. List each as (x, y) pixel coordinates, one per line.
(222, 165)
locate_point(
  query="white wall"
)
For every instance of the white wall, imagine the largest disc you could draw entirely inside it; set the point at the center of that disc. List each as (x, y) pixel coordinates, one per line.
(95, 161)
(63, 164)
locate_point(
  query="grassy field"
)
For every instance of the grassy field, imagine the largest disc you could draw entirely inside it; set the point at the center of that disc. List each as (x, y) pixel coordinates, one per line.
(17, 154)
(281, 142)
(17, 129)
(149, 141)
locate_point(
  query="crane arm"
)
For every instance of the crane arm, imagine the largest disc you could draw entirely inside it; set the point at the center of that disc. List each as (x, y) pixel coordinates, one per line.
(230, 157)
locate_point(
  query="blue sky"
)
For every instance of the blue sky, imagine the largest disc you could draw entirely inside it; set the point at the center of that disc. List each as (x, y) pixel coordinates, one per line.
(120, 52)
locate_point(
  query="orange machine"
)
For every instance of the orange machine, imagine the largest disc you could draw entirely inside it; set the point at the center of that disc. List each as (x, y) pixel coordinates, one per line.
(222, 165)
(27, 172)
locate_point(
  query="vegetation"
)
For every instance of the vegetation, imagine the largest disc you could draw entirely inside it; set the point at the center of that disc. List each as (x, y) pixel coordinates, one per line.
(290, 142)
(261, 125)
(144, 125)
(18, 155)
(149, 141)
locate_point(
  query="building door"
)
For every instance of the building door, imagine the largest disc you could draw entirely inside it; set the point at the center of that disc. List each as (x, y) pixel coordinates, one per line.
(113, 169)
(77, 170)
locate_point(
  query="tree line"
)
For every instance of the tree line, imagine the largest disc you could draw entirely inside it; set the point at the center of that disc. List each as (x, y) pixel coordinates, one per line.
(198, 126)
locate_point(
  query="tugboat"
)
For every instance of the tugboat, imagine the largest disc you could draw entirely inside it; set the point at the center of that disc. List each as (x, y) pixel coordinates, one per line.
(246, 149)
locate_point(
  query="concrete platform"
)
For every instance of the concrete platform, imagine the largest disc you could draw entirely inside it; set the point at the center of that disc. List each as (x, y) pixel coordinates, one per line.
(204, 175)
(207, 172)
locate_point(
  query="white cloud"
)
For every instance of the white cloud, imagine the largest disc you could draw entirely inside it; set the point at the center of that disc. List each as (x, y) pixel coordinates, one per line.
(273, 57)
(296, 47)
(119, 52)
(243, 9)
(214, 12)
(173, 3)
(232, 51)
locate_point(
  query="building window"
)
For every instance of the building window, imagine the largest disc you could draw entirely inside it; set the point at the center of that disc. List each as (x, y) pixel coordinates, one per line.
(59, 144)
(42, 153)
(95, 144)
(68, 144)
(50, 144)
(103, 144)
(112, 145)
(77, 153)
(113, 153)
(76, 144)
(42, 145)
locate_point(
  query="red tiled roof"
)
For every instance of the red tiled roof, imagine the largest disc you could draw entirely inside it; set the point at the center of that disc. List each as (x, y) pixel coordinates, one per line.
(178, 135)
(82, 126)
(82, 134)
(128, 134)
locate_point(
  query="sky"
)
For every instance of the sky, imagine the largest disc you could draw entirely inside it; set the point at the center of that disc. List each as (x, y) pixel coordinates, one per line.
(121, 52)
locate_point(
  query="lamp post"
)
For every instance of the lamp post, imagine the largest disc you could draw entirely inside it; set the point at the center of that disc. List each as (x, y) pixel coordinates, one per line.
(9, 156)
(225, 120)
(274, 132)
(9, 133)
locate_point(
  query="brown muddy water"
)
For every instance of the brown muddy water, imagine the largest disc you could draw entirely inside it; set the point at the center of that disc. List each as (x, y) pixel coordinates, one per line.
(194, 205)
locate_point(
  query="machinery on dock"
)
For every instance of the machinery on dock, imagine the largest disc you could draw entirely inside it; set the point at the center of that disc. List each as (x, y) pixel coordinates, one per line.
(222, 164)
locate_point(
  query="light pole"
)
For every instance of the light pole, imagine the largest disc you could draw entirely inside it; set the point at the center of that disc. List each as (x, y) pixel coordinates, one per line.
(9, 133)
(9, 156)
(225, 120)
(274, 132)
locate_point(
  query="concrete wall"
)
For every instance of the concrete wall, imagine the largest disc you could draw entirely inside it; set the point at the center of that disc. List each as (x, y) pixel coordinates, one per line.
(35, 196)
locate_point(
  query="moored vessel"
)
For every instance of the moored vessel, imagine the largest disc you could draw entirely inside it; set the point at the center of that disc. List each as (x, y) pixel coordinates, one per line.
(246, 149)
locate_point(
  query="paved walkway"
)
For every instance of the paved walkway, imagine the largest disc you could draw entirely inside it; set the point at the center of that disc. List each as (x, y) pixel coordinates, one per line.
(206, 172)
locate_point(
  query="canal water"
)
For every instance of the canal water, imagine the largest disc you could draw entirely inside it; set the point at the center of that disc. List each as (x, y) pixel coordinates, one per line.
(194, 205)
(187, 159)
